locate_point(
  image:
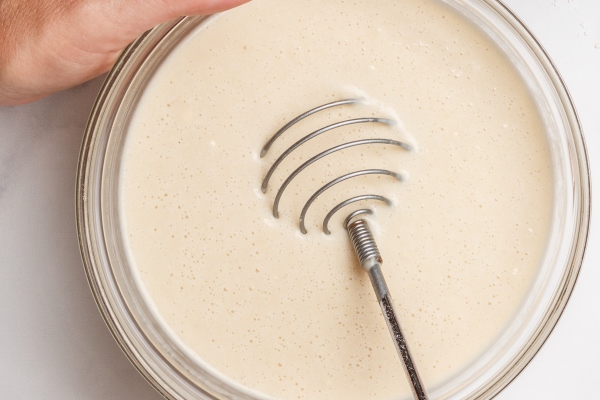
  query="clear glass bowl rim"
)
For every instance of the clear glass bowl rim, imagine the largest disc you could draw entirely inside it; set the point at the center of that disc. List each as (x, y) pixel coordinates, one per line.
(89, 183)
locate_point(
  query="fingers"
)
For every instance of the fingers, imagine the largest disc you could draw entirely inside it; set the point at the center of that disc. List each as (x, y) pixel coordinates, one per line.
(132, 17)
(197, 7)
(50, 45)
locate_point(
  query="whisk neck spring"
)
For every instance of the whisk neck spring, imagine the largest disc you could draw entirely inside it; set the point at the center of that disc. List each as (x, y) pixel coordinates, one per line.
(364, 244)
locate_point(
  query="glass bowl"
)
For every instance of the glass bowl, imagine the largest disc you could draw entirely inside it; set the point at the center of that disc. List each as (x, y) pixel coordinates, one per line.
(168, 365)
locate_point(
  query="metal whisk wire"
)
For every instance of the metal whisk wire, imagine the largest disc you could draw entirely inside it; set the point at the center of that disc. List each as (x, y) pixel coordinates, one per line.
(358, 230)
(335, 182)
(301, 117)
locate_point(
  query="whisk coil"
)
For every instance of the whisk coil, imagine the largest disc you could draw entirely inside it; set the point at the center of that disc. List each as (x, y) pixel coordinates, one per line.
(323, 154)
(363, 243)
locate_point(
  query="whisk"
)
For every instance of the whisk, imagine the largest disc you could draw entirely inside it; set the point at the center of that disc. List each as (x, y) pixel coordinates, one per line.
(358, 229)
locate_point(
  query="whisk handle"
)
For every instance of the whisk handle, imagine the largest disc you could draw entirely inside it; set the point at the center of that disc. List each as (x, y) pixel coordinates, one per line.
(389, 313)
(370, 260)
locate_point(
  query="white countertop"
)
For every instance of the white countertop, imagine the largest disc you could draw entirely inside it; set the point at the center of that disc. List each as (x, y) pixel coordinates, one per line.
(53, 341)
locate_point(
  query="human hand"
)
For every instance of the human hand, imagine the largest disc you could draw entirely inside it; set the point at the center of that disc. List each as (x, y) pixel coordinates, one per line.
(50, 45)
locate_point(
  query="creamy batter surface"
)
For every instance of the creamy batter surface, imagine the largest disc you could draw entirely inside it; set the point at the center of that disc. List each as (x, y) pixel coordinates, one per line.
(293, 315)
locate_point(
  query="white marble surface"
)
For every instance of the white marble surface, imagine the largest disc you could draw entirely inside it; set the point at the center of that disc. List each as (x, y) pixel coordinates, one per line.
(53, 341)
